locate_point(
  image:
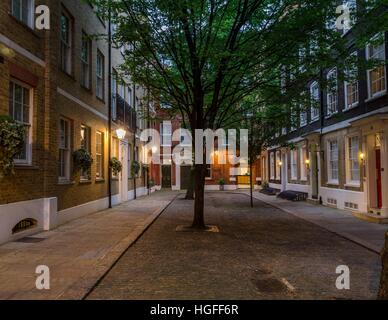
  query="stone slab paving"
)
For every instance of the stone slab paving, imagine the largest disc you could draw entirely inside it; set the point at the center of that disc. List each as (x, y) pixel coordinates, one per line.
(259, 253)
(342, 222)
(77, 253)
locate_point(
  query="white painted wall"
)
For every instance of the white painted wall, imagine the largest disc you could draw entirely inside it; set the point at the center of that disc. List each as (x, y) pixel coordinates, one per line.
(343, 196)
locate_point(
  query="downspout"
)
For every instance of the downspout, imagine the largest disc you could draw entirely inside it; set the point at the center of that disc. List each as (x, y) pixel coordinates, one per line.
(134, 138)
(320, 141)
(110, 109)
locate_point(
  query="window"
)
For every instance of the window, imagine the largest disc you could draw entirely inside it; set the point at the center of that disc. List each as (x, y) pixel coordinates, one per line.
(66, 43)
(332, 92)
(208, 174)
(376, 76)
(294, 164)
(129, 96)
(166, 133)
(129, 160)
(100, 76)
(315, 101)
(303, 118)
(99, 155)
(20, 107)
(23, 10)
(114, 94)
(85, 61)
(85, 144)
(333, 162)
(272, 166)
(351, 85)
(278, 166)
(353, 161)
(303, 168)
(64, 150)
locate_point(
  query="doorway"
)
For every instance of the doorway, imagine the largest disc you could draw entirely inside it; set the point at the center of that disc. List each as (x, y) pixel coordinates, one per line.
(378, 179)
(166, 177)
(185, 177)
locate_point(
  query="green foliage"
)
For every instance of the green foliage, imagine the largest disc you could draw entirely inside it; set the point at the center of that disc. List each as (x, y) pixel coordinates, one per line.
(221, 182)
(82, 160)
(265, 185)
(135, 168)
(116, 166)
(11, 144)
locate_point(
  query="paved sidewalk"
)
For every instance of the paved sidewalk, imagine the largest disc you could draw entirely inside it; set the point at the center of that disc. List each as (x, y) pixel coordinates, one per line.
(78, 253)
(341, 222)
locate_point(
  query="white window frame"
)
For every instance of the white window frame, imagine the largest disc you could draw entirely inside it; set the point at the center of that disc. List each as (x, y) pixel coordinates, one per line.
(278, 166)
(330, 178)
(66, 58)
(28, 144)
(294, 164)
(85, 63)
(302, 159)
(350, 158)
(332, 96)
(314, 111)
(30, 13)
(99, 155)
(369, 72)
(272, 166)
(166, 133)
(100, 76)
(354, 87)
(114, 94)
(66, 149)
(209, 169)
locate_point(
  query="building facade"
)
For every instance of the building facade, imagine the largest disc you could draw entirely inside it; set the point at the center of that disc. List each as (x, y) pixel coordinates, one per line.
(56, 83)
(339, 155)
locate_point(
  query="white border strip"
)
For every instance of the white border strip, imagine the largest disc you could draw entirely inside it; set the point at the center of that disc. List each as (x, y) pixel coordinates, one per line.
(81, 103)
(9, 43)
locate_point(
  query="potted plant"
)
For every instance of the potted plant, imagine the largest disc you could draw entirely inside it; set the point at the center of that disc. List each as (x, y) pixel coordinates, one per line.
(115, 165)
(221, 182)
(82, 160)
(11, 144)
(135, 168)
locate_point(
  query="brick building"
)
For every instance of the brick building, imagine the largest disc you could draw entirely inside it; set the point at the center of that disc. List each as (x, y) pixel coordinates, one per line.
(56, 82)
(340, 157)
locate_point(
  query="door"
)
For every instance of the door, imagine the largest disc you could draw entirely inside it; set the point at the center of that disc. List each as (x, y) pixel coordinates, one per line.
(378, 179)
(124, 172)
(185, 177)
(166, 176)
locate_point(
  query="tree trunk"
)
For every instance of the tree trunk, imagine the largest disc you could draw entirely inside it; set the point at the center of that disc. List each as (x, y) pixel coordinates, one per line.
(383, 292)
(190, 191)
(251, 183)
(199, 219)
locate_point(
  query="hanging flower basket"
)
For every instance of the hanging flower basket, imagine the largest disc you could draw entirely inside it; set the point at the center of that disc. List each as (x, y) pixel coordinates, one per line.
(116, 166)
(11, 144)
(82, 160)
(135, 168)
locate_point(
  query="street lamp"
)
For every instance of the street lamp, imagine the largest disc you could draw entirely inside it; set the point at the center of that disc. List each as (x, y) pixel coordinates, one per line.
(121, 133)
(307, 162)
(7, 52)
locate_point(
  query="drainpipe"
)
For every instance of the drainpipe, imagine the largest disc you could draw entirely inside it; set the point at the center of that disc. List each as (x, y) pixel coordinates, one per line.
(110, 108)
(134, 137)
(320, 140)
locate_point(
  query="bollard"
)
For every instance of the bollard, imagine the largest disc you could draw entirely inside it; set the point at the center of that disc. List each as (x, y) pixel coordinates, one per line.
(383, 292)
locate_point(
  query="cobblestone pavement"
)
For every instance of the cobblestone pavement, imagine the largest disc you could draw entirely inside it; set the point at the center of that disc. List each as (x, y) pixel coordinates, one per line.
(260, 253)
(77, 253)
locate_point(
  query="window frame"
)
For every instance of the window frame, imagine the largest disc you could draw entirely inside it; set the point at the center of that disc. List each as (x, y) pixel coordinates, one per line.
(332, 96)
(314, 117)
(164, 134)
(294, 164)
(349, 161)
(369, 71)
(330, 161)
(86, 82)
(28, 144)
(85, 144)
(30, 14)
(352, 84)
(100, 78)
(66, 48)
(99, 164)
(302, 162)
(68, 149)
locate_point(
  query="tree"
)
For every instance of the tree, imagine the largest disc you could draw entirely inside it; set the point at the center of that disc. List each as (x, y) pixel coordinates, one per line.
(202, 57)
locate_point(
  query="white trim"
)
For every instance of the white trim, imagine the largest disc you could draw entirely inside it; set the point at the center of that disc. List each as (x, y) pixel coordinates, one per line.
(9, 43)
(383, 92)
(81, 103)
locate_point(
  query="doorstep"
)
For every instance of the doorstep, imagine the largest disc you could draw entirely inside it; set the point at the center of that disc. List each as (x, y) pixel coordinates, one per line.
(370, 217)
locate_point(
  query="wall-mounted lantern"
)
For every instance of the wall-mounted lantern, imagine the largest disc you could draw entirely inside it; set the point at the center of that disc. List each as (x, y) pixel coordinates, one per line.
(121, 133)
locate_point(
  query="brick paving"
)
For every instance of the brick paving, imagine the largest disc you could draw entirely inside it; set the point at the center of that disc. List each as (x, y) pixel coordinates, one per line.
(260, 253)
(77, 253)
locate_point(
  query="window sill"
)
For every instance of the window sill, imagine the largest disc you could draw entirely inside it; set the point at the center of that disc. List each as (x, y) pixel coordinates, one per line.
(85, 181)
(333, 183)
(314, 120)
(69, 75)
(101, 99)
(100, 180)
(25, 26)
(353, 185)
(65, 182)
(376, 96)
(351, 107)
(208, 179)
(331, 115)
(88, 90)
(21, 166)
